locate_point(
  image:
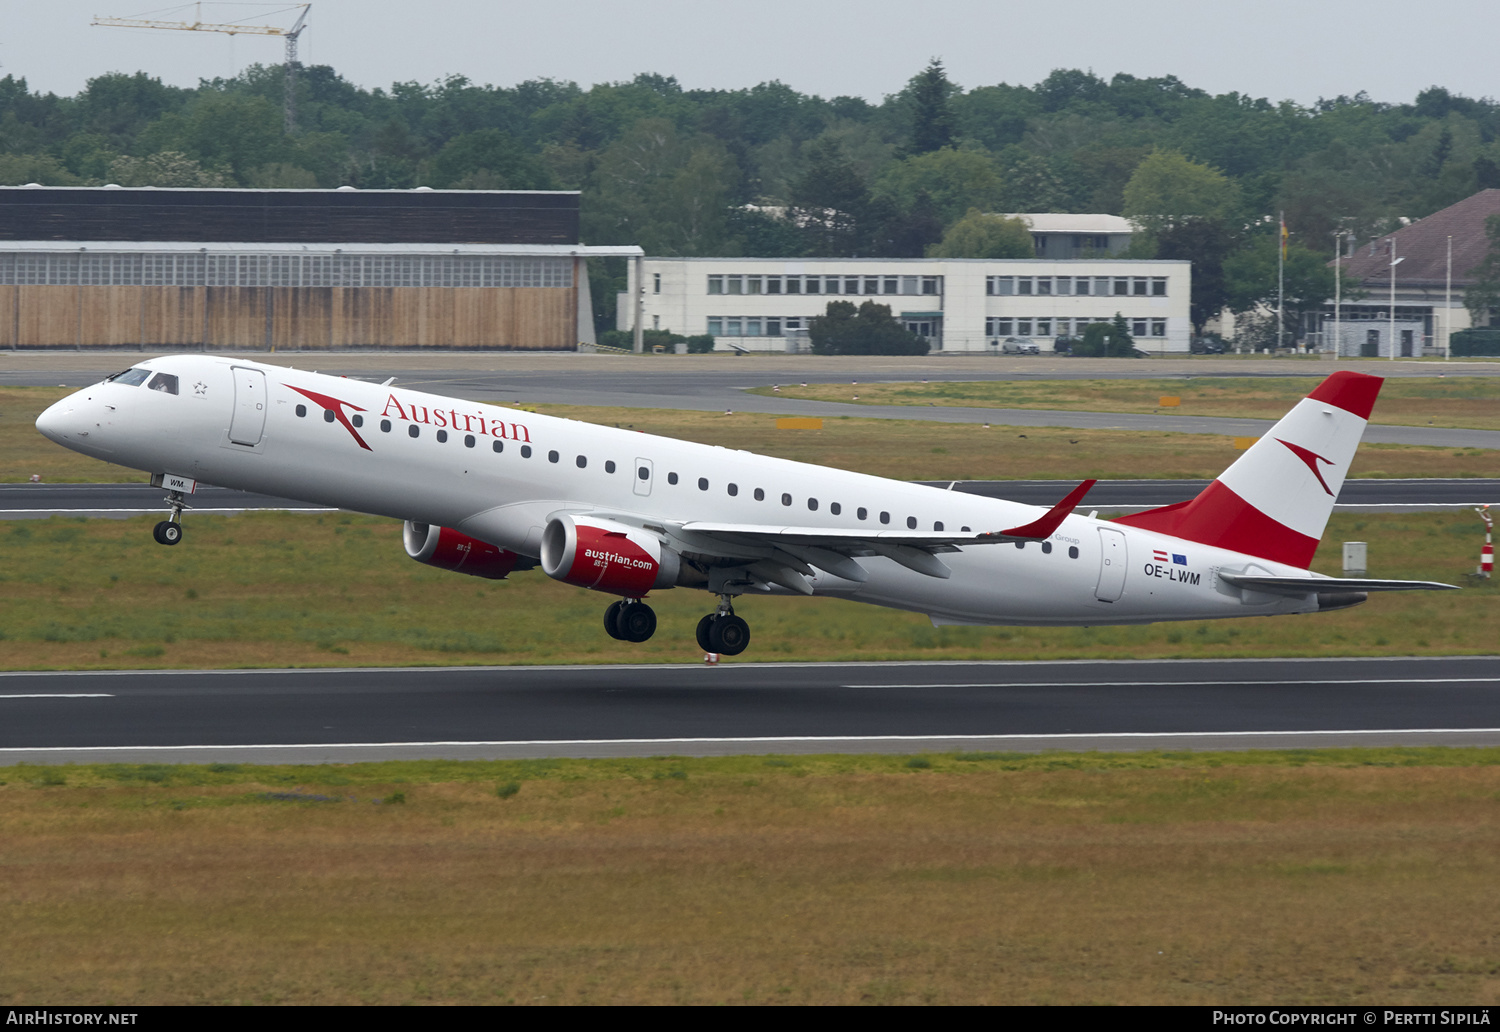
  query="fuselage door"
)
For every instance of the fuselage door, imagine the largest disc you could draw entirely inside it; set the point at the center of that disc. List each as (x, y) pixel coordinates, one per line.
(249, 420)
(1111, 565)
(642, 477)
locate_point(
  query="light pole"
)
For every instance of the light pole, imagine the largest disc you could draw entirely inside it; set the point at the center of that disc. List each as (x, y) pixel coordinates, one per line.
(1338, 282)
(1394, 262)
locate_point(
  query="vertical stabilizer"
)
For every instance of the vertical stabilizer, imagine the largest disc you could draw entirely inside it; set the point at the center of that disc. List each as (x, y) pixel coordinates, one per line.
(1274, 502)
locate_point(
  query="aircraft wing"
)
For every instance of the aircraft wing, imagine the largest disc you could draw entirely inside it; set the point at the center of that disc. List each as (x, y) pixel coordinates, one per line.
(786, 555)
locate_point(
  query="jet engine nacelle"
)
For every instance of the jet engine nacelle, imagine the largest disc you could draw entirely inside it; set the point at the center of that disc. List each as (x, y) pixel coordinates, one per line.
(606, 556)
(447, 549)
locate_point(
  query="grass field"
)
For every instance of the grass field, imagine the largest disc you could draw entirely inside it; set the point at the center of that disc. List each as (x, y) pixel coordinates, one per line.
(1366, 877)
(902, 449)
(277, 589)
(1451, 401)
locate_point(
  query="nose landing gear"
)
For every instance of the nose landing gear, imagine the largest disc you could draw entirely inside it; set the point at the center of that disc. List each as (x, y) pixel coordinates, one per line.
(630, 619)
(723, 632)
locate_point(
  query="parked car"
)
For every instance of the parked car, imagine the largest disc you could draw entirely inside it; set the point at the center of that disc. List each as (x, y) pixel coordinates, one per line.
(1019, 346)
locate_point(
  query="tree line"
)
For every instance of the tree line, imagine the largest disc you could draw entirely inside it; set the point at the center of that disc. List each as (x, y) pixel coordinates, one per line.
(770, 172)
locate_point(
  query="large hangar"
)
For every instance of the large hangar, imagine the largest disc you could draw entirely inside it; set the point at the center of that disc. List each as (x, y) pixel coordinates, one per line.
(293, 269)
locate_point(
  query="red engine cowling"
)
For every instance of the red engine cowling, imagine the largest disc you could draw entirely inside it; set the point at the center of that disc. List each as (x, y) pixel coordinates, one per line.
(447, 549)
(606, 556)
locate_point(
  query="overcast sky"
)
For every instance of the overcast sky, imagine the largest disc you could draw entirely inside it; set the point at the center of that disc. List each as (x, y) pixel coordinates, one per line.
(1282, 49)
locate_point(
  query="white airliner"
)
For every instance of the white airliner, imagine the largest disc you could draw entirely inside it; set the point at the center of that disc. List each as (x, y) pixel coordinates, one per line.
(486, 490)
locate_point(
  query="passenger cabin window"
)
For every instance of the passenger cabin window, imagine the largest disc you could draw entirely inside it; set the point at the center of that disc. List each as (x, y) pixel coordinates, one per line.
(385, 424)
(552, 456)
(328, 417)
(835, 508)
(609, 466)
(359, 420)
(442, 435)
(582, 461)
(525, 451)
(468, 439)
(734, 489)
(497, 447)
(911, 523)
(703, 483)
(131, 377)
(786, 499)
(164, 382)
(301, 411)
(671, 478)
(885, 517)
(760, 494)
(861, 513)
(414, 430)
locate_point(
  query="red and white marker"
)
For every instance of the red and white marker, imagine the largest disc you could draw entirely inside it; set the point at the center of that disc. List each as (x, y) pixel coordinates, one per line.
(1487, 553)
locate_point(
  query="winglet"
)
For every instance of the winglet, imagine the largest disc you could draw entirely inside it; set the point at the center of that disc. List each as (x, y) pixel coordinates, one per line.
(1043, 528)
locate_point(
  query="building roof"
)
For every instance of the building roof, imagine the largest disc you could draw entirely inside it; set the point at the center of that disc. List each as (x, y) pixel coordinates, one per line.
(1424, 245)
(325, 247)
(1058, 222)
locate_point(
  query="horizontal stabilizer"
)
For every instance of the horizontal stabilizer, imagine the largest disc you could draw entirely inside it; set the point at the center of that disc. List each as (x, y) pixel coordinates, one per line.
(1303, 585)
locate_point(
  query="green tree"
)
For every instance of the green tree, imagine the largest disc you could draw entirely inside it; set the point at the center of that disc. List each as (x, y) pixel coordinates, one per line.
(954, 180)
(831, 202)
(667, 193)
(168, 168)
(1206, 243)
(1250, 282)
(1167, 188)
(867, 330)
(20, 169)
(932, 118)
(488, 160)
(978, 235)
(1106, 340)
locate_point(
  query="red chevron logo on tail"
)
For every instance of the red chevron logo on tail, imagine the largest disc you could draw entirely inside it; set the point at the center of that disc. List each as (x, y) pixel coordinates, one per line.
(1312, 459)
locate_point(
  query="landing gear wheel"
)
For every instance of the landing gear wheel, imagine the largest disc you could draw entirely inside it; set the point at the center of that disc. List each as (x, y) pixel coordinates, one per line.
(612, 620)
(167, 533)
(705, 629)
(636, 622)
(728, 635)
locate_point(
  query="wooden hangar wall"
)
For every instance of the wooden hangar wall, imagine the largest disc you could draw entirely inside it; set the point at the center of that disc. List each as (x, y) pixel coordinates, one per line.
(292, 270)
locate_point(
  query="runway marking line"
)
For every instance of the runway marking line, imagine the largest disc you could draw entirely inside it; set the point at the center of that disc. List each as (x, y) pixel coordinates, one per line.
(61, 695)
(766, 738)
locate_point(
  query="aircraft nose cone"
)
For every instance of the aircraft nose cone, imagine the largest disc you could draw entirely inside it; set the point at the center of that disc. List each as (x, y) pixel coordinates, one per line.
(54, 423)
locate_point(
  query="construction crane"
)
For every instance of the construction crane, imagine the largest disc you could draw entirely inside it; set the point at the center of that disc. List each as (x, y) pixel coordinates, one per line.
(235, 29)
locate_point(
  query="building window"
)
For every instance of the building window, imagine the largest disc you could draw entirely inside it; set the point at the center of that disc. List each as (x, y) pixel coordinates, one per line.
(931, 284)
(872, 285)
(752, 327)
(1039, 244)
(1138, 327)
(811, 285)
(794, 284)
(908, 284)
(851, 284)
(716, 326)
(1064, 285)
(890, 285)
(733, 327)
(716, 284)
(1122, 287)
(1158, 327)
(752, 284)
(734, 284)
(773, 284)
(1044, 327)
(1158, 286)
(1044, 285)
(773, 327)
(1024, 285)
(995, 326)
(656, 283)
(1003, 286)
(1081, 286)
(1023, 327)
(1139, 286)
(832, 285)
(1101, 286)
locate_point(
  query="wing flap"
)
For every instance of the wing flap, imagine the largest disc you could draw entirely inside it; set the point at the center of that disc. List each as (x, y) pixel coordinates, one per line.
(1322, 585)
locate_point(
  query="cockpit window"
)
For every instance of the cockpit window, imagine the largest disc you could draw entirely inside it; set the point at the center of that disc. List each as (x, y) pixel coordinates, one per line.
(164, 382)
(131, 377)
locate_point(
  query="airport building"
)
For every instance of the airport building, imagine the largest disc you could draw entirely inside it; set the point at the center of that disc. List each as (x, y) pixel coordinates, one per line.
(963, 305)
(293, 269)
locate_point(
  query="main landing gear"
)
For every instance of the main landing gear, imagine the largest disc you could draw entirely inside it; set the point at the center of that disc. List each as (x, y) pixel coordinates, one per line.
(723, 632)
(169, 530)
(630, 619)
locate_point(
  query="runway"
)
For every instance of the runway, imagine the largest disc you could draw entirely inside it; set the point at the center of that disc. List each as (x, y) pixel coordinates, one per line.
(315, 716)
(120, 501)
